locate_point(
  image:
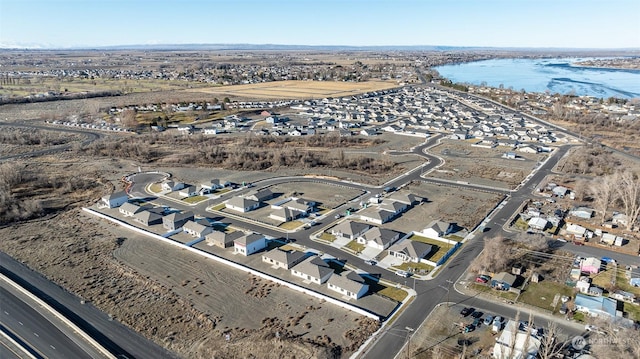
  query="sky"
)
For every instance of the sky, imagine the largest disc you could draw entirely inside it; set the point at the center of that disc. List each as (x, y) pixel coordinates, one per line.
(484, 23)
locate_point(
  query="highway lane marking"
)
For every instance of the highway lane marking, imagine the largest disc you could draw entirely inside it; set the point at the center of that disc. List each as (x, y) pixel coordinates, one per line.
(36, 334)
(52, 347)
(5, 312)
(20, 323)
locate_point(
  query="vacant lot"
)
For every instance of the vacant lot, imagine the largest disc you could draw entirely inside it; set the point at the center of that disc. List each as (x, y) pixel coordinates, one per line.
(483, 166)
(464, 207)
(327, 196)
(298, 89)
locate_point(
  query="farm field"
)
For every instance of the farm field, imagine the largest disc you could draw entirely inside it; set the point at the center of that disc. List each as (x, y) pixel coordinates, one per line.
(298, 89)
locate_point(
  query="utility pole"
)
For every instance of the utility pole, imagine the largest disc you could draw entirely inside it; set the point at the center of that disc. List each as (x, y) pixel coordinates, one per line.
(409, 333)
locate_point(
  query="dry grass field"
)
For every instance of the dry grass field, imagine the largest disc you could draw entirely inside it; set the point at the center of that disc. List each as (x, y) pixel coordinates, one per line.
(298, 89)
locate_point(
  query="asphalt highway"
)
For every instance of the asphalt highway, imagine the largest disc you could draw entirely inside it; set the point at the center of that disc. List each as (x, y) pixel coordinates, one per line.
(37, 331)
(115, 337)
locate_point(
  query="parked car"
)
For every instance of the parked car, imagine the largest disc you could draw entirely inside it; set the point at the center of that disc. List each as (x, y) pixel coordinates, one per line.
(466, 311)
(481, 280)
(370, 262)
(468, 328)
(403, 273)
(477, 314)
(488, 320)
(497, 324)
(476, 322)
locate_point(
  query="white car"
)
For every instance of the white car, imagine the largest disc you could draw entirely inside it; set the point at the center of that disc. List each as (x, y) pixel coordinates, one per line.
(403, 273)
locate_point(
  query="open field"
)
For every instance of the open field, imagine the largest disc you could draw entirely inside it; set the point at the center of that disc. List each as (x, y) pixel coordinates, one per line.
(483, 166)
(298, 89)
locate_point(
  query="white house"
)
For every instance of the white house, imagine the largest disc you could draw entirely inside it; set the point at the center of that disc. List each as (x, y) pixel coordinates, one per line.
(538, 224)
(376, 215)
(115, 199)
(188, 191)
(241, 204)
(576, 230)
(312, 269)
(410, 251)
(379, 238)
(515, 343)
(213, 184)
(349, 284)
(129, 209)
(581, 212)
(170, 186)
(283, 259)
(222, 239)
(196, 229)
(437, 229)
(350, 229)
(249, 244)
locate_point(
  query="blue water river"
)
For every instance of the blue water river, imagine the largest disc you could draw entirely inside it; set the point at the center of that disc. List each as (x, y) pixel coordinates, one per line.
(560, 75)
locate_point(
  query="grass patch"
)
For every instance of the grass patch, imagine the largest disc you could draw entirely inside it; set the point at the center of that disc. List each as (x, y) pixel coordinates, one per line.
(288, 247)
(498, 293)
(542, 294)
(223, 190)
(155, 188)
(355, 246)
(327, 237)
(414, 267)
(454, 237)
(521, 224)
(195, 199)
(578, 316)
(603, 279)
(218, 207)
(622, 282)
(633, 311)
(290, 225)
(394, 293)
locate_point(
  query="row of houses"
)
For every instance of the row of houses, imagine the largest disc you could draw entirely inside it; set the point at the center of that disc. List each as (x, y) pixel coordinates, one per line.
(313, 269)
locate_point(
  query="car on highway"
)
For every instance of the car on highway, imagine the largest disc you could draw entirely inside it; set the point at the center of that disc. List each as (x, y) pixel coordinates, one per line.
(466, 311)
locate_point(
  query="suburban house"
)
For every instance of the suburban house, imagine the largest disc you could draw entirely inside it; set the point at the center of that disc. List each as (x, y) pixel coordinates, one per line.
(283, 259)
(407, 198)
(296, 204)
(241, 204)
(379, 238)
(583, 285)
(249, 244)
(515, 343)
(348, 284)
(284, 215)
(188, 191)
(596, 306)
(170, 186)
(376, 215)
(260, 195)
(590, 265)
(560, 191)
(620, 219)
(129, 209)
(582, 212)
(394, 207)
(623, 296)
(223, 239)
(538, 224)
(437, 229)
(176, 220)
(349, 229)
(213, 185)
(313, 269)
(148, 217)
(410, 251)
(115, 199)
(503, 281)
(196, 229)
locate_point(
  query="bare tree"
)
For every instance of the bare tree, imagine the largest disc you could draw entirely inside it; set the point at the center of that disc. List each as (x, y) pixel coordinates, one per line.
(604, 192)
(129, 118)
(549, 346)
(494, 258)
(629, 192)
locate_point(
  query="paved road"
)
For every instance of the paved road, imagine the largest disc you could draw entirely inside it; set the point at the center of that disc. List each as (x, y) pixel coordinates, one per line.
(112, 335)
(37, 331)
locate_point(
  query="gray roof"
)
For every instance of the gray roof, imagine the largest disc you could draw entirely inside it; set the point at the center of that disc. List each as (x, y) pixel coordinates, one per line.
(314, 267)
(178, 216)
(194, 226)
(223, 237)
(130, 207)
(281, 256)
(347, 281)
(505, 277)
(439, 226)
(381, 236)
(249, 238)
(350, 227)
(413, 249)
(147, 216)
(241, 202)
(406, 198)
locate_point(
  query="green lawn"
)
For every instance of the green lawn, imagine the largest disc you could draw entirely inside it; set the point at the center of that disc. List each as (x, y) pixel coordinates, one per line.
(542, 294)
(195, 199)
(579, 316)
(355, 246)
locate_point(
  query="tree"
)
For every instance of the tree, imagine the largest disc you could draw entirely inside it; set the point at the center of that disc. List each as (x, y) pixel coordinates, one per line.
(629, 193)
(604, 190)
(496, 255)
(549, 345)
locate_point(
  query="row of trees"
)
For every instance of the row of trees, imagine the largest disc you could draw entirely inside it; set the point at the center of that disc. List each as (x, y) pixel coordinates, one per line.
(620, 189)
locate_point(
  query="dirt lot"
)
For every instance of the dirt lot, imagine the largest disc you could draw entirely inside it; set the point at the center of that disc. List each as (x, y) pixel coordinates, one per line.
(483, 166)
(464, 207)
